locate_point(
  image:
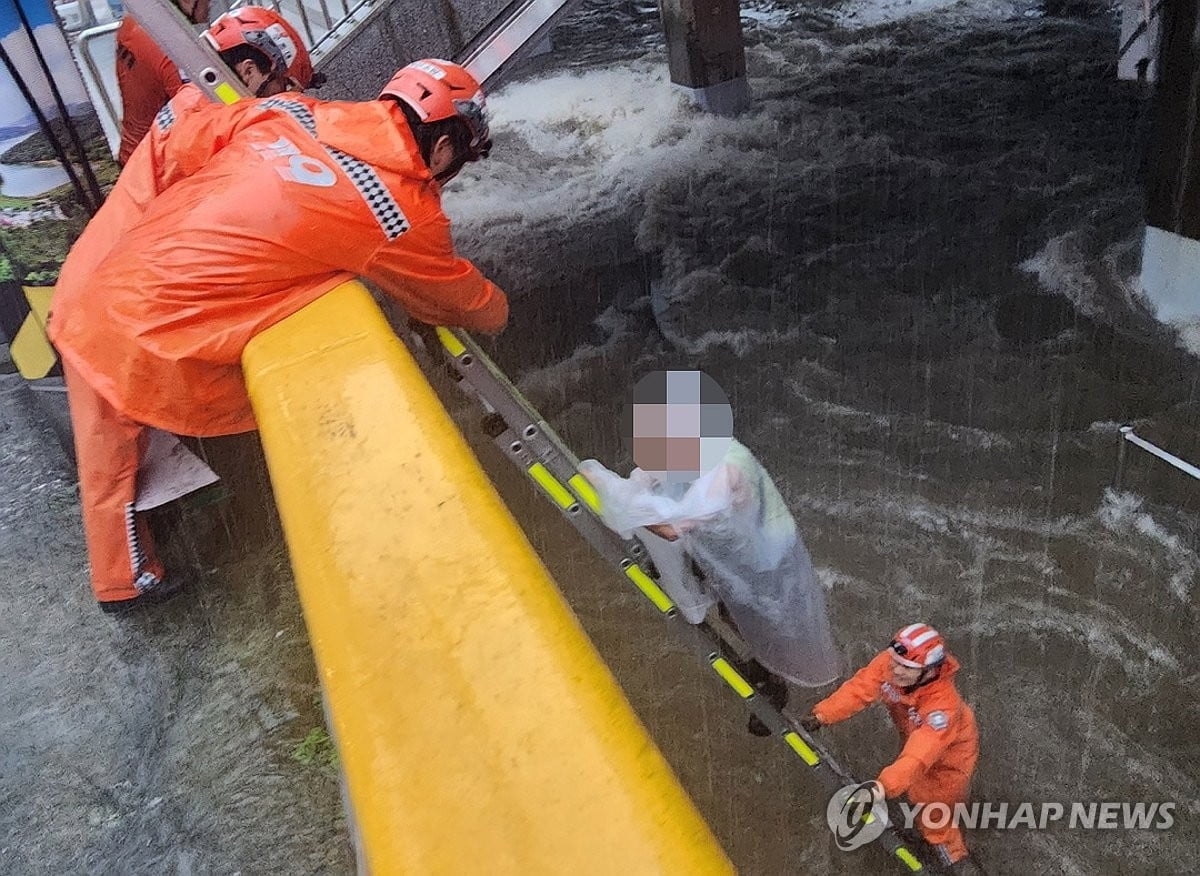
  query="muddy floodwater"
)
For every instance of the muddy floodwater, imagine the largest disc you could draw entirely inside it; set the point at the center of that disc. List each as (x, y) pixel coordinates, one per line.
(911, 266)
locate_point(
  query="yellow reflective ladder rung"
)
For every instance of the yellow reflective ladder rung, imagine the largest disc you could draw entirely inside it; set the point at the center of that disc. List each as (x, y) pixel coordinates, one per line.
(909, 859)
(226, 93)
(548, 482)
(585, 491)
(733, 678)
(651, 590)
(452, 344)
(801, 748)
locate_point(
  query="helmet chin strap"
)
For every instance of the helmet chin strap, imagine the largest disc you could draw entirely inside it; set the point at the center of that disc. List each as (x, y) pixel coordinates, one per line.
(261, 90)
(928, 674)
(450, 172)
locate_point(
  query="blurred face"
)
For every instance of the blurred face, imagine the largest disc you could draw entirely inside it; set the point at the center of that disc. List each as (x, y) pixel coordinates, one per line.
(904, 676)
(678, 424)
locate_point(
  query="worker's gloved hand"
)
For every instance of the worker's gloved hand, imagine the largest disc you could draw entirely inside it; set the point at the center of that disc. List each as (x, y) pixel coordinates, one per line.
(811, 723)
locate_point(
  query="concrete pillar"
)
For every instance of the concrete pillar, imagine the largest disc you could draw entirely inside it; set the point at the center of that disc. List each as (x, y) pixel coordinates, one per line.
(706, 54)
(1171, 255)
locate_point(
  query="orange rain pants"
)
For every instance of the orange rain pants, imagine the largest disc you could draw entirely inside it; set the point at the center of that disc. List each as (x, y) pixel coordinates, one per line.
(947, 786)
(108, 448)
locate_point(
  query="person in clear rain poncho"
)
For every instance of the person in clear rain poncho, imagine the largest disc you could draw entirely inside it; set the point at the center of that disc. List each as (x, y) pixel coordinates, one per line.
(736, 529)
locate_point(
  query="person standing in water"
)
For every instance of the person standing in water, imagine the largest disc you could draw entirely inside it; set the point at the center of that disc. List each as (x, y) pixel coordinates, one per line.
(702, 491)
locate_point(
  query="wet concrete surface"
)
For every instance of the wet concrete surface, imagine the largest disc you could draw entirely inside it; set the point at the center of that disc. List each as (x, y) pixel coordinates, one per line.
(153, 743)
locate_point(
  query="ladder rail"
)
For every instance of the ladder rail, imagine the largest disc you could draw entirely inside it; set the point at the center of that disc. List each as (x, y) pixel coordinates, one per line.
(520, 26)
(166, 25)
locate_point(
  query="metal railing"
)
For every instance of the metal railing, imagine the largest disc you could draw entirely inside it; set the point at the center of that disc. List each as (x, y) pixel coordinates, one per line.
(324, 23)
(1127, 434)
(91, 34)
(91, 47)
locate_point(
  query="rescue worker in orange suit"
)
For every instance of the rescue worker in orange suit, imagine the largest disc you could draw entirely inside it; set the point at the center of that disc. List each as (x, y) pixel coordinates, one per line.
(914, 678)
(263, 49)
(146, 76)
(269, 57)
(290, 197)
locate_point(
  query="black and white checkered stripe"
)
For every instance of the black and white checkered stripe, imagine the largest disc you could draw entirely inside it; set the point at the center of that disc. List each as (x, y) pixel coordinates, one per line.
(373, 190)
(297, 111)
(387, 212)
(142, 580)
(165, 117)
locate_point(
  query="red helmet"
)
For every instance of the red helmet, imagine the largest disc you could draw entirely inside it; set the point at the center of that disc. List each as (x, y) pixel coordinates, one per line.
(918, 646)
(437, 90)
(270, 33)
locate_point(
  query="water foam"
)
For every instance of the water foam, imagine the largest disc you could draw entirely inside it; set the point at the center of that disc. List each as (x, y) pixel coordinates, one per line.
(1103, 282)
(1122, 513)
(570, 145)
(872, 13)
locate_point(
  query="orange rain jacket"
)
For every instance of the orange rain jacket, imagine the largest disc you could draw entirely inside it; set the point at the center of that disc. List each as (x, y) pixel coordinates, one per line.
(280, 200)
(147, 79)
(157, 163)
(938, 728)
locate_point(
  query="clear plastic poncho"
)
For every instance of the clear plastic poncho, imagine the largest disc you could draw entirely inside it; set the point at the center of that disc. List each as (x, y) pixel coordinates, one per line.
(734, 523)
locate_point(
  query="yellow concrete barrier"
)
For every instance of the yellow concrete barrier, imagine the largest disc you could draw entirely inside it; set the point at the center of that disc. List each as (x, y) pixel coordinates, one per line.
(477, 727)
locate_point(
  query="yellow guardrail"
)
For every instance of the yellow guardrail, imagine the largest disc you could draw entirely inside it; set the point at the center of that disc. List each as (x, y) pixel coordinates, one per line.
(477, 727)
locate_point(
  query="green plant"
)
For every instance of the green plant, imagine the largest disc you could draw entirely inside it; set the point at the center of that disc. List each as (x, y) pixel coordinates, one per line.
(316, 749)
(41, 247)
(42, 278)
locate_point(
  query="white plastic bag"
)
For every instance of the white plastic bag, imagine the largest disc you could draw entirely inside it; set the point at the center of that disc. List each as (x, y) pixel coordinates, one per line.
(735, 524)
(676, 576)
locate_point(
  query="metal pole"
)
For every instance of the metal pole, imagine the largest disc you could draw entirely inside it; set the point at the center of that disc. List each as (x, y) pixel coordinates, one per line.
(325, 12)
(307, 25)
(93, 183)
(1185, 467)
